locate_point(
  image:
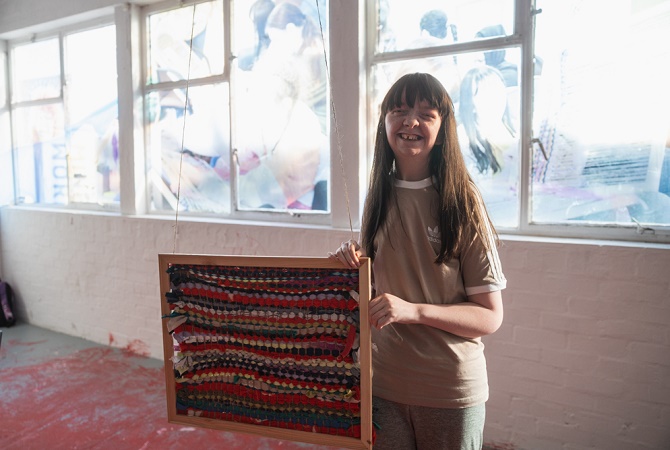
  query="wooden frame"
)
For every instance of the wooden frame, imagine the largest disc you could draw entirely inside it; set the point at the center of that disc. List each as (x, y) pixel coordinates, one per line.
(176, 262)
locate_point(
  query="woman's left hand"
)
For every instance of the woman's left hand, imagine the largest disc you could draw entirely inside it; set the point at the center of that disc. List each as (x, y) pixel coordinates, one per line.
(388, 308)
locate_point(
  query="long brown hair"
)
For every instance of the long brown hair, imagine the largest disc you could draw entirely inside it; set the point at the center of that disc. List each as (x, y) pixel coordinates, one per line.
(461, 208)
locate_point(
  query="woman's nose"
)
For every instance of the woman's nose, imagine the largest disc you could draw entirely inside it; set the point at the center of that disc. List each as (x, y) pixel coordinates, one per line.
(411, 120)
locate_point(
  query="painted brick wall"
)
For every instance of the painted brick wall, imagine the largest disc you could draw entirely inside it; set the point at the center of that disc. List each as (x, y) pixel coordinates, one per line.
(582, 360)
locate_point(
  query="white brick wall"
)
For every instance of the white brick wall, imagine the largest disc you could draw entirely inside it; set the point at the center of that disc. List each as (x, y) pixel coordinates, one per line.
(582, 360)
(583, 357)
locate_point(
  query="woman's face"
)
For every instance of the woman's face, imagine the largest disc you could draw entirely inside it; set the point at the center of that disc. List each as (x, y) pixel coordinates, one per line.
(412, 131)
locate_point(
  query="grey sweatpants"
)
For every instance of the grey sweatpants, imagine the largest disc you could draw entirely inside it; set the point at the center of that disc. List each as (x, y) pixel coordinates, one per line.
(407, 427)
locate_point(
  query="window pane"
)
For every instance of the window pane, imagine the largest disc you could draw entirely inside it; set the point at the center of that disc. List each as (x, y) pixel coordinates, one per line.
(92, 112)
(601, 112)
(204, 163)
(486, 101)
(170, 38)
(41, 155)
(428, 23)
(281, 106)
(32, 80)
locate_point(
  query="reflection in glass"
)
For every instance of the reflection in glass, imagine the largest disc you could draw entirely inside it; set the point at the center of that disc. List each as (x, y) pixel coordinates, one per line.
(489, 137)
(403, 25)
(190, 157)
(92, 112)
(41, 157)
(67, 147)
(601, 113)
(498, 58)
(31, 81)
(487, 112)
(281, 98)
(170, 43)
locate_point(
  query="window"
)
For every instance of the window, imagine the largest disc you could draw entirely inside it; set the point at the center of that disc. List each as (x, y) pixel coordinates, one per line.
(188, 109)
(561, 105)
(590, 155)
(601, 113)
(483, 83)
(247, 132)
(64, 116)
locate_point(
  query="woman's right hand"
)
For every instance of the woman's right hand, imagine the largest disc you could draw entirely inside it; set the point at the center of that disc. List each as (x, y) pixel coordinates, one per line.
(348, 253)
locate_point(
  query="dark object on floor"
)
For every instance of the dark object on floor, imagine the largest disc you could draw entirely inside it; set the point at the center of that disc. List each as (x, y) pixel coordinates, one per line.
(7, 318)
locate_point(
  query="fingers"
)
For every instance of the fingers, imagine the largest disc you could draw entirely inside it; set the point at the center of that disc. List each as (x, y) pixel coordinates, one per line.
(348, 254)
(379, 313)
(386, 309)
(382, 318)
(379, 322)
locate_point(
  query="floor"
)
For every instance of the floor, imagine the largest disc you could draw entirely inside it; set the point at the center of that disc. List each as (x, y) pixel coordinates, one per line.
(62, 392)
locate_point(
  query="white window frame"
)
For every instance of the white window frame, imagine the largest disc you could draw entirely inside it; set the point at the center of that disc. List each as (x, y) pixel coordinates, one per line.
(6, 172)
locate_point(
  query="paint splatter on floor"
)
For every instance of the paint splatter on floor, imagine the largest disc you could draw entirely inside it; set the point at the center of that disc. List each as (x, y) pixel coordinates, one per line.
(100, 398)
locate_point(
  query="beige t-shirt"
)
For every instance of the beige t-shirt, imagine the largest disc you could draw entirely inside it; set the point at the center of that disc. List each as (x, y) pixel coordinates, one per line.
(417, 364)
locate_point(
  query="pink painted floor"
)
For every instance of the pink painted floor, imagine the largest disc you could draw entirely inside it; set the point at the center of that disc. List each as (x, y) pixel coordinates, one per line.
(59, 392)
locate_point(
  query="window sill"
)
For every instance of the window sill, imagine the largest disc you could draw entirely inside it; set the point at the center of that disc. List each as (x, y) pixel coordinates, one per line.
(505, 236)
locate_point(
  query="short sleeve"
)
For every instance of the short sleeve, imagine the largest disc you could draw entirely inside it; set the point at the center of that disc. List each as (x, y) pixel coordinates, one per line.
(481, 268)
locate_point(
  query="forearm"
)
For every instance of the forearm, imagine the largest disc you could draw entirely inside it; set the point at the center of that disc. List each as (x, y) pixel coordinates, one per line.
(468, 319)
(480, 315)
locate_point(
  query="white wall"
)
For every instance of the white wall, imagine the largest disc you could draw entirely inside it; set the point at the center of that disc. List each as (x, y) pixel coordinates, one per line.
(582, 360)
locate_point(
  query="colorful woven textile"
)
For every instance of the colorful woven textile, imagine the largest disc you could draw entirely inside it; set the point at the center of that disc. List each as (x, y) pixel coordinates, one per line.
(267, 346)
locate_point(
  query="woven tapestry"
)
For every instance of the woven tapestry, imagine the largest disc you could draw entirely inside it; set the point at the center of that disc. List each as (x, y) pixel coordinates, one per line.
(270, 346)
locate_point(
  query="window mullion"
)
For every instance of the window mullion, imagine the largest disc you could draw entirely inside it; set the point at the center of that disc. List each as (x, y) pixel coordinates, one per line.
(524, 27)
(131, 131)
(7, 178)
(66, 115)
(347, 168)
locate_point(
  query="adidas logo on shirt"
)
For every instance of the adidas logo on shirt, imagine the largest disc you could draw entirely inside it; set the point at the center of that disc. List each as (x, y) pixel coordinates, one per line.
(434, 235)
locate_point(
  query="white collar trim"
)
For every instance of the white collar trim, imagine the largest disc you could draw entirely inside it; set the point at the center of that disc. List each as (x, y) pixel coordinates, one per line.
(421, 184)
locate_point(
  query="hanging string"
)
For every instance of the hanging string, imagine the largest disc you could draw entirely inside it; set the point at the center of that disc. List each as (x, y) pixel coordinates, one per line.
(337, 128)
(183, 132)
